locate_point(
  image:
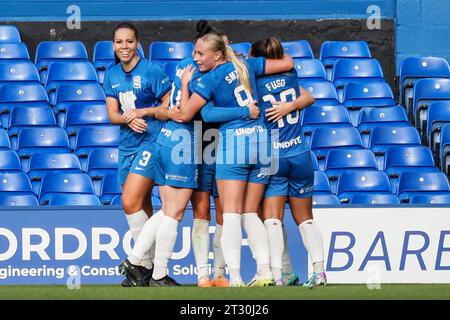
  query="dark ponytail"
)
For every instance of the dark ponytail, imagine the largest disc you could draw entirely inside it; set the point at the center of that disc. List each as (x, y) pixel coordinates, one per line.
(124, 25)
(203, 28)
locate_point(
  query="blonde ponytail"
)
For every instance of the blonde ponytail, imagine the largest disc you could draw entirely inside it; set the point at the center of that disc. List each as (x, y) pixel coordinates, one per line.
(240, 67)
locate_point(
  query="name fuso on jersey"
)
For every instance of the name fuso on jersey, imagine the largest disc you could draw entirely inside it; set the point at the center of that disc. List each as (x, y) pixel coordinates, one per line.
(282, 87)
(141, 87)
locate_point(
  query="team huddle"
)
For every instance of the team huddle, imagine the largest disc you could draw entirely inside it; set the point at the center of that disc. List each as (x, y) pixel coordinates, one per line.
(249, 107)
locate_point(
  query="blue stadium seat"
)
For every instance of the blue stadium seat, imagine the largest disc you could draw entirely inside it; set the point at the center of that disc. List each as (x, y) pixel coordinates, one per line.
(325, 139)
(162, 52)
(405, 159)
(20, 94)
(340, 160)
(36, 140)
(116, 200)
(12, 200)
(362, 95)
(9, 161)
(91, 138)
(354, 182)
(355, 70)
(416, 68)
(42, 163)
(57, 183)
(325, 199)
(68, 72)
(425, 92)
(421, 183)
(370, 118)
(383, 138)
(50, 51)
(242, 48)
(313, 159)
(444, 150)
(438, 116)
(323, 92)
(323, 116)
(110, 188)
(99, 163)
(15, 183)
(28, 117)
(321, 183)
(4, 140)
(298, 49)
(9, 33)
(374, 199)
(431, 198)
(310, 70)
(74, 200)
(104, 57)
(69, 94)
(22, 71)
(16, 51)
(330, 51)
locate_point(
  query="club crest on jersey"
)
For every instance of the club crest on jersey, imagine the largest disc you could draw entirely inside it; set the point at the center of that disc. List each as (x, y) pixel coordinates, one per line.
(137, 82)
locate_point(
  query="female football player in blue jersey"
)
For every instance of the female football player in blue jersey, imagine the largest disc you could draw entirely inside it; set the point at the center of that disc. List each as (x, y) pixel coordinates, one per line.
(295, 178)
(137, 97)
(176, 173)
(240, 173)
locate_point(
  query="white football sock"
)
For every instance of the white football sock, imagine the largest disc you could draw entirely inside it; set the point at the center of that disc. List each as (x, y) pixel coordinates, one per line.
(257, 236)
(275, 234)
(231, 242)
(165, 242)
(286, 265)
(146, 239)
(219, 261)
(200, 244)
(312, 240)
(136, 222)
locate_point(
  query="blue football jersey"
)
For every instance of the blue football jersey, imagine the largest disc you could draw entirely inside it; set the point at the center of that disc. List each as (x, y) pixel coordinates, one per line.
(141, 87)
(282, 87)
(173, 132)
(221, 86)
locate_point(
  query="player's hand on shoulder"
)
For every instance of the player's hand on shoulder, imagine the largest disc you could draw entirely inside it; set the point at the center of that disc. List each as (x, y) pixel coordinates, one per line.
(187, 75)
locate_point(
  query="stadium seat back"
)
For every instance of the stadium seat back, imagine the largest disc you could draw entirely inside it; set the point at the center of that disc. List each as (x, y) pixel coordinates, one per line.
(242, 48)
(374, 199)
(310, 69)
(11, 50)
(9, 161)
(352, 182)
(18, 71)
(416, 183)
(325, 199)
(13, 200)
(438, 115)
(9, 33)
(444, 149)
(431, 198)
(110, 188)
(66, 183)
(15, 182)
(166, 51)
(415, 68)
(4, 140)
(323, 92)
(321, 183)
(298, 49)
(74, 199)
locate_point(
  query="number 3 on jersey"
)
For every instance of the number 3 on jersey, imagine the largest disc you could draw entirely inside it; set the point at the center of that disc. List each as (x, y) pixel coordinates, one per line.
(145, 158)
(291, 118)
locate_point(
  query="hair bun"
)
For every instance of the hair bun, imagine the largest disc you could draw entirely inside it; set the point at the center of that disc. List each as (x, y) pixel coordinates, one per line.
(202, 27)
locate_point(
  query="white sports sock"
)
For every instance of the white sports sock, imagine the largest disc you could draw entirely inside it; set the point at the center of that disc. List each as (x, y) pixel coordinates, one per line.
(275, 234)
(219, 261)
(286, 265)
(231, 242)
(200, 244)
(312, 240)
(146, 239)
(257, 235)
(165, 241)
(136, 222)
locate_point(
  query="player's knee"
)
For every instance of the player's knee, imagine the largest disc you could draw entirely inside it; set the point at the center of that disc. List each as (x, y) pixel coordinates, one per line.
(130, 205)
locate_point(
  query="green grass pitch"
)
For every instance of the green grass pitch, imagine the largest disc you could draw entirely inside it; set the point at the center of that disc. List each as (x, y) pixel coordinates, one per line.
(334, 292)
